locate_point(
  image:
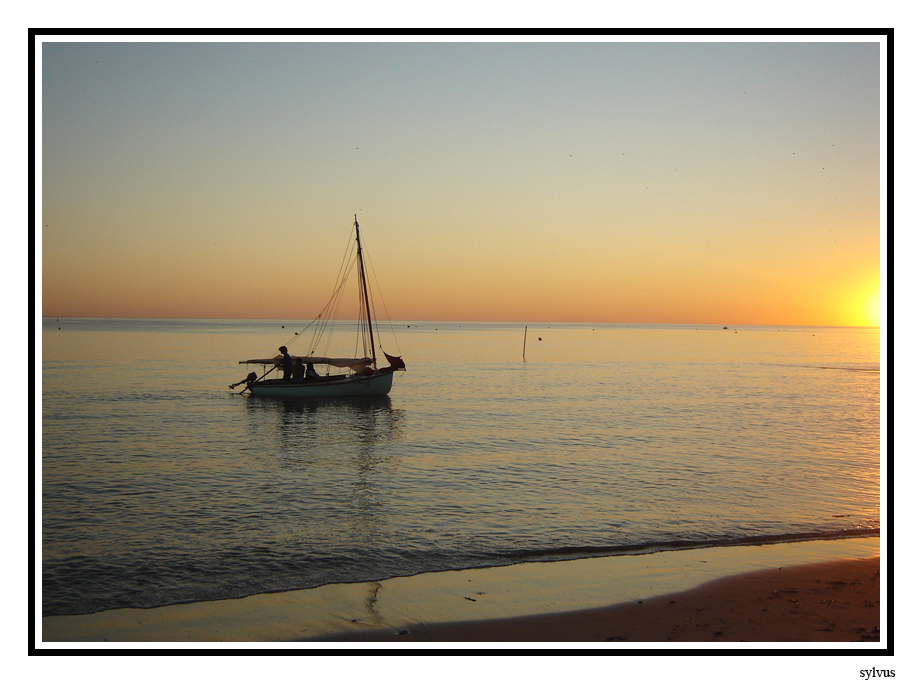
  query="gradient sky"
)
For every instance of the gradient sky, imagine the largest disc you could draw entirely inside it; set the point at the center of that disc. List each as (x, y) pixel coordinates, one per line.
(724, 183)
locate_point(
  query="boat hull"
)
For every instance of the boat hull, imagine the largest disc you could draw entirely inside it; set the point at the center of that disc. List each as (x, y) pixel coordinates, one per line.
(350, 386)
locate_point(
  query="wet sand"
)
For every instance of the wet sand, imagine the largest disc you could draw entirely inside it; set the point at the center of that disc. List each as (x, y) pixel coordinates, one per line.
(828, 602)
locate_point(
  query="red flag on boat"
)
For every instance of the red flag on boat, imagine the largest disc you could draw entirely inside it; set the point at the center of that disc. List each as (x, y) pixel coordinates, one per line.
(395, 362)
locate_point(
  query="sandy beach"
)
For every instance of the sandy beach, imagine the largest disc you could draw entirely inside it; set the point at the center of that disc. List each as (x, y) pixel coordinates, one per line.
(830, 602)
(818, 591)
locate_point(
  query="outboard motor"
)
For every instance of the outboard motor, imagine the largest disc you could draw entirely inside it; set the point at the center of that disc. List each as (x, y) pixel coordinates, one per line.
(248, 380)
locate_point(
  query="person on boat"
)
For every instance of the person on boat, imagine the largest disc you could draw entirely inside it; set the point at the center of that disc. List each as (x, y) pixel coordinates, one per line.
(298, 371)
(286, 364)
(310, 374)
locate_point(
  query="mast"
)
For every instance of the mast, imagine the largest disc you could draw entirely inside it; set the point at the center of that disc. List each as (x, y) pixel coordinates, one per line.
(365, 292)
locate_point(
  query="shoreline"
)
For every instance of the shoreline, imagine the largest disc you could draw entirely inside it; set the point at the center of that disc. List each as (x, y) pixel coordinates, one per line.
(379, 611)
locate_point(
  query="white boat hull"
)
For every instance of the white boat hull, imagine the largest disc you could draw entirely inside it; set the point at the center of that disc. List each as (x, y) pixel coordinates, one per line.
(351, 386)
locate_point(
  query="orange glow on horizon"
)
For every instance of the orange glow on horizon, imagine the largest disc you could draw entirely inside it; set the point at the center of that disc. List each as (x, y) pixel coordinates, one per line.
(513, 194)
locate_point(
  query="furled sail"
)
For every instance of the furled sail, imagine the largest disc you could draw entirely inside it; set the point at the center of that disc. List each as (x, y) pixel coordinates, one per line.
(340, 362)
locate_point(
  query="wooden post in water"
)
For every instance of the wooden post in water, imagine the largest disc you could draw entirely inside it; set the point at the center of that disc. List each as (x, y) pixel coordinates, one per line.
(524, 343)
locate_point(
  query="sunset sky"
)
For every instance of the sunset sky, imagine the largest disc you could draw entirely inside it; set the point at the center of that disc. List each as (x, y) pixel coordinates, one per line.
(627, 182)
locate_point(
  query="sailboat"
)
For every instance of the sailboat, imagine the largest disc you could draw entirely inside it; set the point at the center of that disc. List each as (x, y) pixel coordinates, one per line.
(344, 376)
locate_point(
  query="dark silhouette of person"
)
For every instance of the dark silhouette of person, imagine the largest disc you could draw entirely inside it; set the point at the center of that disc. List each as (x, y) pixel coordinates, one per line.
(286, 364)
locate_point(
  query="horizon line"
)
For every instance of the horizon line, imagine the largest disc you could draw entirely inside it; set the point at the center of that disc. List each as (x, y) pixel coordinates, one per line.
(522, 322)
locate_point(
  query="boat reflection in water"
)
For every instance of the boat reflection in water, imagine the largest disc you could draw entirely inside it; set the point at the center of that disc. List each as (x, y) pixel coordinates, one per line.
(307, 429)
(335, 460)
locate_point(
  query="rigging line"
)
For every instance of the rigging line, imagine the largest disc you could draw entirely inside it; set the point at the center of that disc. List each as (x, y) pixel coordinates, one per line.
(365, 317)
(384, 304)
(332, 314)
(330, 307)
(297, 335)
(335, 312)
(345, 262)
(343, 276)
(364, 322)
(318, 332)
(316, 320)
(337, 286)
(359, 337)
(333, 303)
(306, 327)
(377, 329)
(332, 310)
(363, 286)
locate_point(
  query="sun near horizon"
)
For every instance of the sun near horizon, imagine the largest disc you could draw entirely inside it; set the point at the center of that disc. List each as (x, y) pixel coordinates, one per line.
(871, 309)
(858, 312)
(420, 285)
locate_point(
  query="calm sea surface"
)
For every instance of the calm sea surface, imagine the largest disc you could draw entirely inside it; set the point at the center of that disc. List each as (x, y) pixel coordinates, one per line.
(161, 485)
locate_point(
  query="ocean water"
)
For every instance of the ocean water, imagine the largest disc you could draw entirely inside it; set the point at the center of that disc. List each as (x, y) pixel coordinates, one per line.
(158, 484)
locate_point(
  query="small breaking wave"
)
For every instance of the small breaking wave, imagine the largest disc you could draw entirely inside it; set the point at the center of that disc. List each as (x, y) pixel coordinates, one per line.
(567, 552)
